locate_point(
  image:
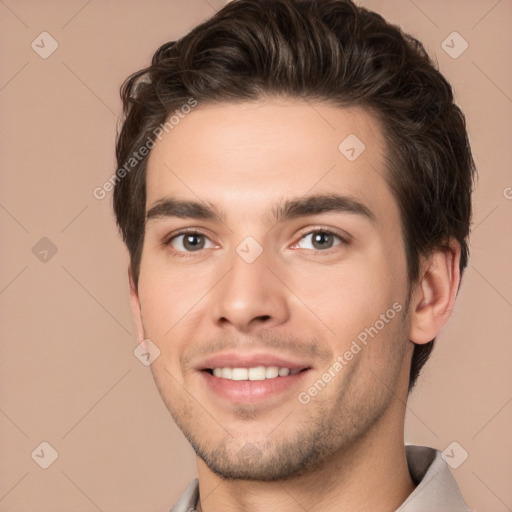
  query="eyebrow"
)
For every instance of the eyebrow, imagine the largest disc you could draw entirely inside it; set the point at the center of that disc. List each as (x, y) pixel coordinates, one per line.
(287, 210)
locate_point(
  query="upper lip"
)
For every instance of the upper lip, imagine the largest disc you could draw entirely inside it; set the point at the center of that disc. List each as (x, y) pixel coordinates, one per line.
(249, 360)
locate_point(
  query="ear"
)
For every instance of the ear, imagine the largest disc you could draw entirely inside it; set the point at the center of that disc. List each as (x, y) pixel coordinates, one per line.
(434, 295)
(135, 303)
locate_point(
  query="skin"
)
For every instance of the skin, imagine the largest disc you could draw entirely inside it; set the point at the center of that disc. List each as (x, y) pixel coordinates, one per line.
(299, 299)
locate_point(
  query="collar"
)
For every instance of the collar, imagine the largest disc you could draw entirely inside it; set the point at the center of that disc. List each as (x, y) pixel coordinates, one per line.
(436, 488)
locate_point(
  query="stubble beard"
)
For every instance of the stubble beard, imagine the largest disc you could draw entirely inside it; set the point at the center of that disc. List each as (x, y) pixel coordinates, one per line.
(321, 431)
(310, 444)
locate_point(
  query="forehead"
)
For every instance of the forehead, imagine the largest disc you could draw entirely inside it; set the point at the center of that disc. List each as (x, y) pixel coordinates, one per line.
(249, 156)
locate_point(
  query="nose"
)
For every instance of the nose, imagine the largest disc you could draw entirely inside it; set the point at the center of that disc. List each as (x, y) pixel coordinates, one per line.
(250, 296)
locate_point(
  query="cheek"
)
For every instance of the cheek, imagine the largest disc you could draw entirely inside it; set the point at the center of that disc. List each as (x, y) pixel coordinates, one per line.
(165, 296)
(167, 280)
(162, 317)
(350, 298)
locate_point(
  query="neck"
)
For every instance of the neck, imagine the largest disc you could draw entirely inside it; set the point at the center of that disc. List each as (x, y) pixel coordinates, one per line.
(372, 475)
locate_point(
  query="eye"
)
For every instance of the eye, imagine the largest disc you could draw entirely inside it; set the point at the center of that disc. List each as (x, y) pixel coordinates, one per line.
(190, 242)
(319, 240)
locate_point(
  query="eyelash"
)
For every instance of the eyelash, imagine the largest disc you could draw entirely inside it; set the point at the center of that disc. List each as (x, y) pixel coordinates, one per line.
(188, 254)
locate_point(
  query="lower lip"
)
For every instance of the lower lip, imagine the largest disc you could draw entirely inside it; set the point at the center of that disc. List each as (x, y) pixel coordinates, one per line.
(251, 391)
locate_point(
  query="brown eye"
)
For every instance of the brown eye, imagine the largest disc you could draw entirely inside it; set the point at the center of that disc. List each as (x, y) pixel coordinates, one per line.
(319, 240)
(190, 242)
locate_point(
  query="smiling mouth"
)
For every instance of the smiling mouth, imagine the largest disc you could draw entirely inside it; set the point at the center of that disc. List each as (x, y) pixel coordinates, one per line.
(254, 373)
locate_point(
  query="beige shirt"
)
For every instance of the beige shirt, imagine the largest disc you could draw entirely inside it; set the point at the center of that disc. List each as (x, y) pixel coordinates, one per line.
(436, 489)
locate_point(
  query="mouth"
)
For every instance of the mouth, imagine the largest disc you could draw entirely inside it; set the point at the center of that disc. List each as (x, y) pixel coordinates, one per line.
(244, 379)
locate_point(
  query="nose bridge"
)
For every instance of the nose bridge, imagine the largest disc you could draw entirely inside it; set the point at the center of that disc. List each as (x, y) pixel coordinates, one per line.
(249, 277)
(250, 293)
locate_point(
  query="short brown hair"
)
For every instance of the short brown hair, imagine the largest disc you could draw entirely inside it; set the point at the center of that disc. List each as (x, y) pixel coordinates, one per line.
(324, 50)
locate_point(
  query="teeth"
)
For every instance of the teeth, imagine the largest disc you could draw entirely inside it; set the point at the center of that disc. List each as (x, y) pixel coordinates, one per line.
(271, 372)
(240, 374)
(227, 373)
(255, 373)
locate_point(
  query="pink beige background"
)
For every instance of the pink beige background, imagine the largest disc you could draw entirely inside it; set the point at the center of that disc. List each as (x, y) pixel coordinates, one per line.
(68, 373)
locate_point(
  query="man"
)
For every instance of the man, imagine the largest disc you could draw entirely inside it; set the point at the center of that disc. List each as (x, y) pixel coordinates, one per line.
(294, 190)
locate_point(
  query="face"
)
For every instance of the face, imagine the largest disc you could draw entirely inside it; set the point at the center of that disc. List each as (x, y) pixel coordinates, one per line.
(273, 280)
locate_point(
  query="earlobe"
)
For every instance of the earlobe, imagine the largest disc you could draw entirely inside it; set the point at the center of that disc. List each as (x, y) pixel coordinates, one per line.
(434, 295)
(136, 308)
